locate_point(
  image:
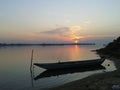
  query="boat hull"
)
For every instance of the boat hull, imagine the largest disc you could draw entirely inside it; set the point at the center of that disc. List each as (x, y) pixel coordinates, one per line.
(49, 73)
(74, 64)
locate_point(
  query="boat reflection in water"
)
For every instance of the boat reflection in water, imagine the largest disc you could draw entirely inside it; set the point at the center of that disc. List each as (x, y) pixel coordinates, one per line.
(50, 73)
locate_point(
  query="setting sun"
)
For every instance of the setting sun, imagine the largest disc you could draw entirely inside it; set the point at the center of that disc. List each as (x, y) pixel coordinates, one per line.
(76, 41)
(76, 38)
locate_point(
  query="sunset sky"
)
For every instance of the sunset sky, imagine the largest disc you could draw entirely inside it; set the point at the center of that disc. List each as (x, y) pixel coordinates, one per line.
(48, 21)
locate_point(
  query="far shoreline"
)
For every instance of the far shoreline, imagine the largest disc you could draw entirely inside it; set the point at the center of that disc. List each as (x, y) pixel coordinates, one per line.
(45, 44)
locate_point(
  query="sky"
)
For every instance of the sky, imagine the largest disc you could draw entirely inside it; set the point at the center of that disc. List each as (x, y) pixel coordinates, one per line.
(57, 21)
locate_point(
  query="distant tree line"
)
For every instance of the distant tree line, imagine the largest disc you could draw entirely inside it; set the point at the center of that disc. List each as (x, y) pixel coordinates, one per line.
(45, 44)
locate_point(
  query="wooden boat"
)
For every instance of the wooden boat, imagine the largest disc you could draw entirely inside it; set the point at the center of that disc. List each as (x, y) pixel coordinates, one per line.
(70, 64)
(55, 72)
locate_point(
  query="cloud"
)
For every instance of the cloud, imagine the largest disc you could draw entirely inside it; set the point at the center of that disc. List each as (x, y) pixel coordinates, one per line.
(68, 21)
(65, 31)
(88, 22)
(72, 32)
(75, 28)
(59, 31)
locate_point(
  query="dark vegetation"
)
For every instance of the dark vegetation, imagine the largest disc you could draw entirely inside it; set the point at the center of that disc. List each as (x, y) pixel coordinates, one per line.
(112, 49)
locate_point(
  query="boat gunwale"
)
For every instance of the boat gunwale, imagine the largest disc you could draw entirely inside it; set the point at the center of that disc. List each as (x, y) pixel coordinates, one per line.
(69, 62)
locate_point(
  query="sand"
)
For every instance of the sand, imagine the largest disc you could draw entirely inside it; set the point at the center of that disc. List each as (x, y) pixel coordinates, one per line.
(103, 81)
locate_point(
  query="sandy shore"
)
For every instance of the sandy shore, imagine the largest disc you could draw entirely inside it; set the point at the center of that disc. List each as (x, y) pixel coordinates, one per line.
(103, 81)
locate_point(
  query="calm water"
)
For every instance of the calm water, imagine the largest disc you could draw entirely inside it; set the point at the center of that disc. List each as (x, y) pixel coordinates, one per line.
(15, 66)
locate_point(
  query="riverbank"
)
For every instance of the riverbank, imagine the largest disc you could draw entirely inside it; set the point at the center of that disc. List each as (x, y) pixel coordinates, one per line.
(103, 81)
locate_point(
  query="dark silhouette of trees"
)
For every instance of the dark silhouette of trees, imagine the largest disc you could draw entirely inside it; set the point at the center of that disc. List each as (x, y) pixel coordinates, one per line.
(112, 49)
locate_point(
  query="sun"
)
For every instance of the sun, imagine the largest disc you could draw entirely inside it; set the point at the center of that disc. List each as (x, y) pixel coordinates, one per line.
(76, 38)
(76, 41)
